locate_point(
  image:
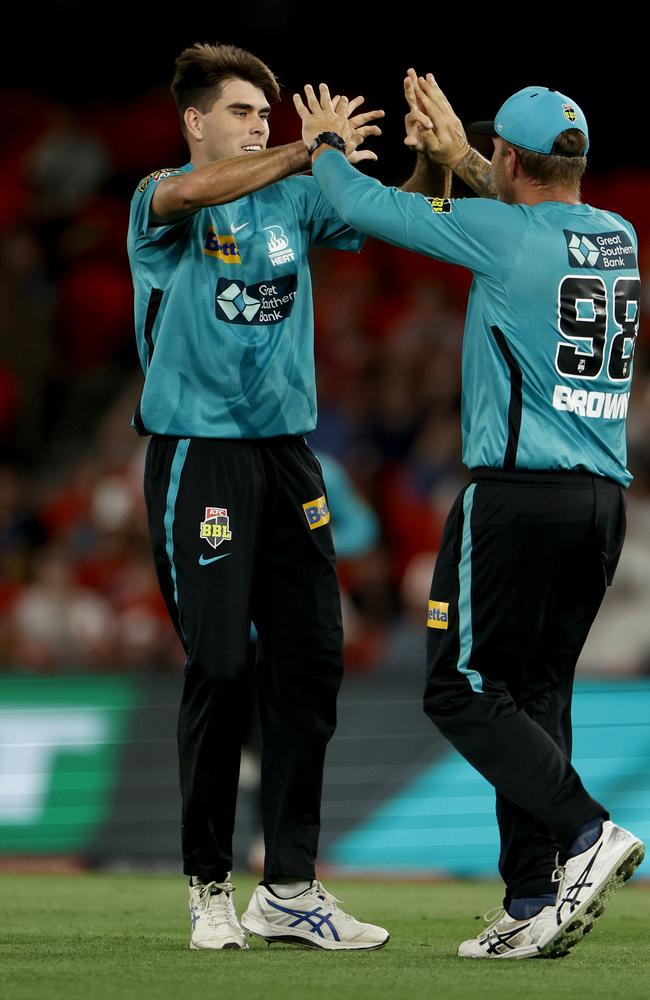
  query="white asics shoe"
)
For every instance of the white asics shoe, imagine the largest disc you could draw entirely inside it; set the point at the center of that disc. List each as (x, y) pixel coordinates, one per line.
(214, 921)
(312, 919)
(511, 938)
(588, 881)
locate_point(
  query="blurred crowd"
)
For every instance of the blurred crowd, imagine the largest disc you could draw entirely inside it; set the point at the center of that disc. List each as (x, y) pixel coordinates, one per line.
(77, 586)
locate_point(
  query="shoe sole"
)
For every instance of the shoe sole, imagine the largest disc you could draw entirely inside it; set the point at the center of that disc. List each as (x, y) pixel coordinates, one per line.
(228, 946)
(583, 919)
(262, 930)
(513, 956)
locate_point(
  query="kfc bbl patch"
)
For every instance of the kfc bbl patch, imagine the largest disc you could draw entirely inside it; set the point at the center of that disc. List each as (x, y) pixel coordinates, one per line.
(569, 112)
(439, 205)
(215, 529)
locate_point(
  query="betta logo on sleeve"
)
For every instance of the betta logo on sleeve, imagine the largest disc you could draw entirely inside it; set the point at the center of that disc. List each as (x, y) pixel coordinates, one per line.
(316, 512)
(438, 614)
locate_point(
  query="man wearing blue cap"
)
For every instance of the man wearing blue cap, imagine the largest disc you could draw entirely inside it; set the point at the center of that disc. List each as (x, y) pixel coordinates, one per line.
(533, 541)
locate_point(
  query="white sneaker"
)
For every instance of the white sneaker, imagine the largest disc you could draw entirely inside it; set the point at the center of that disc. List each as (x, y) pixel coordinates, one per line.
(214, 921)
(588, 881)
(511, 938)
(311, 919)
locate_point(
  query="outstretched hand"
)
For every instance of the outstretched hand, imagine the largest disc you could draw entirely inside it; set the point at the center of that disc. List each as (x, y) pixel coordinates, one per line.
(445, 140)
(419, 127)
(324, 114)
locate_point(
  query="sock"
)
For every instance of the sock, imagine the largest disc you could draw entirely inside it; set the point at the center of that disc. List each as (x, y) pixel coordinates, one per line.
(288, 889)
(529, 906)
(587, 836)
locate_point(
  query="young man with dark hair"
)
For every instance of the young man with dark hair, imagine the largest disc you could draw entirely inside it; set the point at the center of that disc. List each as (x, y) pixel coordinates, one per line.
(532, 543)
(236, 502)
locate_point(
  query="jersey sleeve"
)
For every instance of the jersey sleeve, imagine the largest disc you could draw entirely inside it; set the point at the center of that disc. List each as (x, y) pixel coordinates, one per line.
(476, 233)
(142, 232)
(326, 227)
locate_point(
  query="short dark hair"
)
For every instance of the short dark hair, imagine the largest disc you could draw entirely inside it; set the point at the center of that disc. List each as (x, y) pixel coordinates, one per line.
(202, 69)
(563, 166)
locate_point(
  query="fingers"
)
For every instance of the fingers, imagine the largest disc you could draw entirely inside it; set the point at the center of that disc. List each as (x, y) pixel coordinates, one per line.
(432, 91)
(326, 100)
(418, 118)
(312, 101)
(367, 130)
(299, 106)
(409, 90)
(354, 104)
(366, 116)
(362, 154)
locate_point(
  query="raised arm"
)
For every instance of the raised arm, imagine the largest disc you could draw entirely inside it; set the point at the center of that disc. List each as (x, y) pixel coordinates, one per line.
(226, 180)
(429, 177)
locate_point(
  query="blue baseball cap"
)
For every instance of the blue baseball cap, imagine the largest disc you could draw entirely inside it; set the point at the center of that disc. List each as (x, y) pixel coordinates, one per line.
(533, 118)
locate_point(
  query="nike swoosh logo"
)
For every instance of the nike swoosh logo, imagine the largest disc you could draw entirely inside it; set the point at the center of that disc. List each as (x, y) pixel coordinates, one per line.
(235, 229)
(206, 562)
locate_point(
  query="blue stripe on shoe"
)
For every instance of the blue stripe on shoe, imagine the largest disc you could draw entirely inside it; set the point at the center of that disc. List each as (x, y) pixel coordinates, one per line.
(465, 595)
(315, 918)
(172, 493)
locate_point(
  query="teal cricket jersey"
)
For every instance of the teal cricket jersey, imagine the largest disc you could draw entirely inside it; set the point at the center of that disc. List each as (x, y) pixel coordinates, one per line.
(223, 311)
(551, 322)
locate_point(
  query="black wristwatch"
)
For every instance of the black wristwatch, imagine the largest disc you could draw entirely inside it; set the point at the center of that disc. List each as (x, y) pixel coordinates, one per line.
(328, 139)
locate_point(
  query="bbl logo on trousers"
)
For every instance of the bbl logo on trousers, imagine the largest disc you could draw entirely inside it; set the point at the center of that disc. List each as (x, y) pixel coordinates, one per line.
(215, 529)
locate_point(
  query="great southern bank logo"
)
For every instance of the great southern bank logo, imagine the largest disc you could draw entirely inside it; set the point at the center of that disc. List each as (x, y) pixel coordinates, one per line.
(602, 251)
(262, 304)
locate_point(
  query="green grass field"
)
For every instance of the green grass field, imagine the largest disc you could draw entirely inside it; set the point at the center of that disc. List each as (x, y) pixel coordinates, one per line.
(95, 937)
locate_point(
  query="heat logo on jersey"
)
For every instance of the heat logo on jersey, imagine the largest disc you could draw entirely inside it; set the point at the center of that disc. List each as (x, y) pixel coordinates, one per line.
(265, 303)
(569, 113)
(157, 175)
(317, 513)
(602, 251)
(277, 245)
(438, 614)
(439, 205)
(223, 247)
(215, 529)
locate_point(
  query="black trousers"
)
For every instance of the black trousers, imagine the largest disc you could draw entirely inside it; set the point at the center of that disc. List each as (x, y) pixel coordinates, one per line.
(240, 534)
(523, 566)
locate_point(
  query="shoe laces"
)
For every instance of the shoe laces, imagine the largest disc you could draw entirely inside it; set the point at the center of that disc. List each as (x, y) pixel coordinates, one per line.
(217, 903)
(494, 915)
(558, 871)
(319, 889)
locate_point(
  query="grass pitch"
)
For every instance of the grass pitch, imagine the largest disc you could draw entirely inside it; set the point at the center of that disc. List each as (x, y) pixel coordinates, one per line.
(124, 937)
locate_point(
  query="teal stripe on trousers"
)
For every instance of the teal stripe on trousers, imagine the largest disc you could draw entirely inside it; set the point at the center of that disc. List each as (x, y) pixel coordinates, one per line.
(172, 493)
(465, 595)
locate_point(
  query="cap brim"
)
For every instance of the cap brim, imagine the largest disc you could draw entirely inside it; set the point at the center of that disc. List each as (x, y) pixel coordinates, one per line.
(482, 128)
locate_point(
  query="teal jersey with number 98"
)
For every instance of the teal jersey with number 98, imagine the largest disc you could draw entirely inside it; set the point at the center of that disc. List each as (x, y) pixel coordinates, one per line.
(223, 311)
(552, 317)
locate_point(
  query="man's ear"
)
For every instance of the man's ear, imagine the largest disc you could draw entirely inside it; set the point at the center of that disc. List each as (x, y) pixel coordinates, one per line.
(193, 122)
(513, 164)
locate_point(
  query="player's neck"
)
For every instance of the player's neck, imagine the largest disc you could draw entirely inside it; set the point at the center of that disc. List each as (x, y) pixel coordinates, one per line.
(533, 194)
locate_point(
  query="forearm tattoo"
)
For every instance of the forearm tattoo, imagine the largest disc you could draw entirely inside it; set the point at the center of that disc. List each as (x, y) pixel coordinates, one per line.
(474, 169)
